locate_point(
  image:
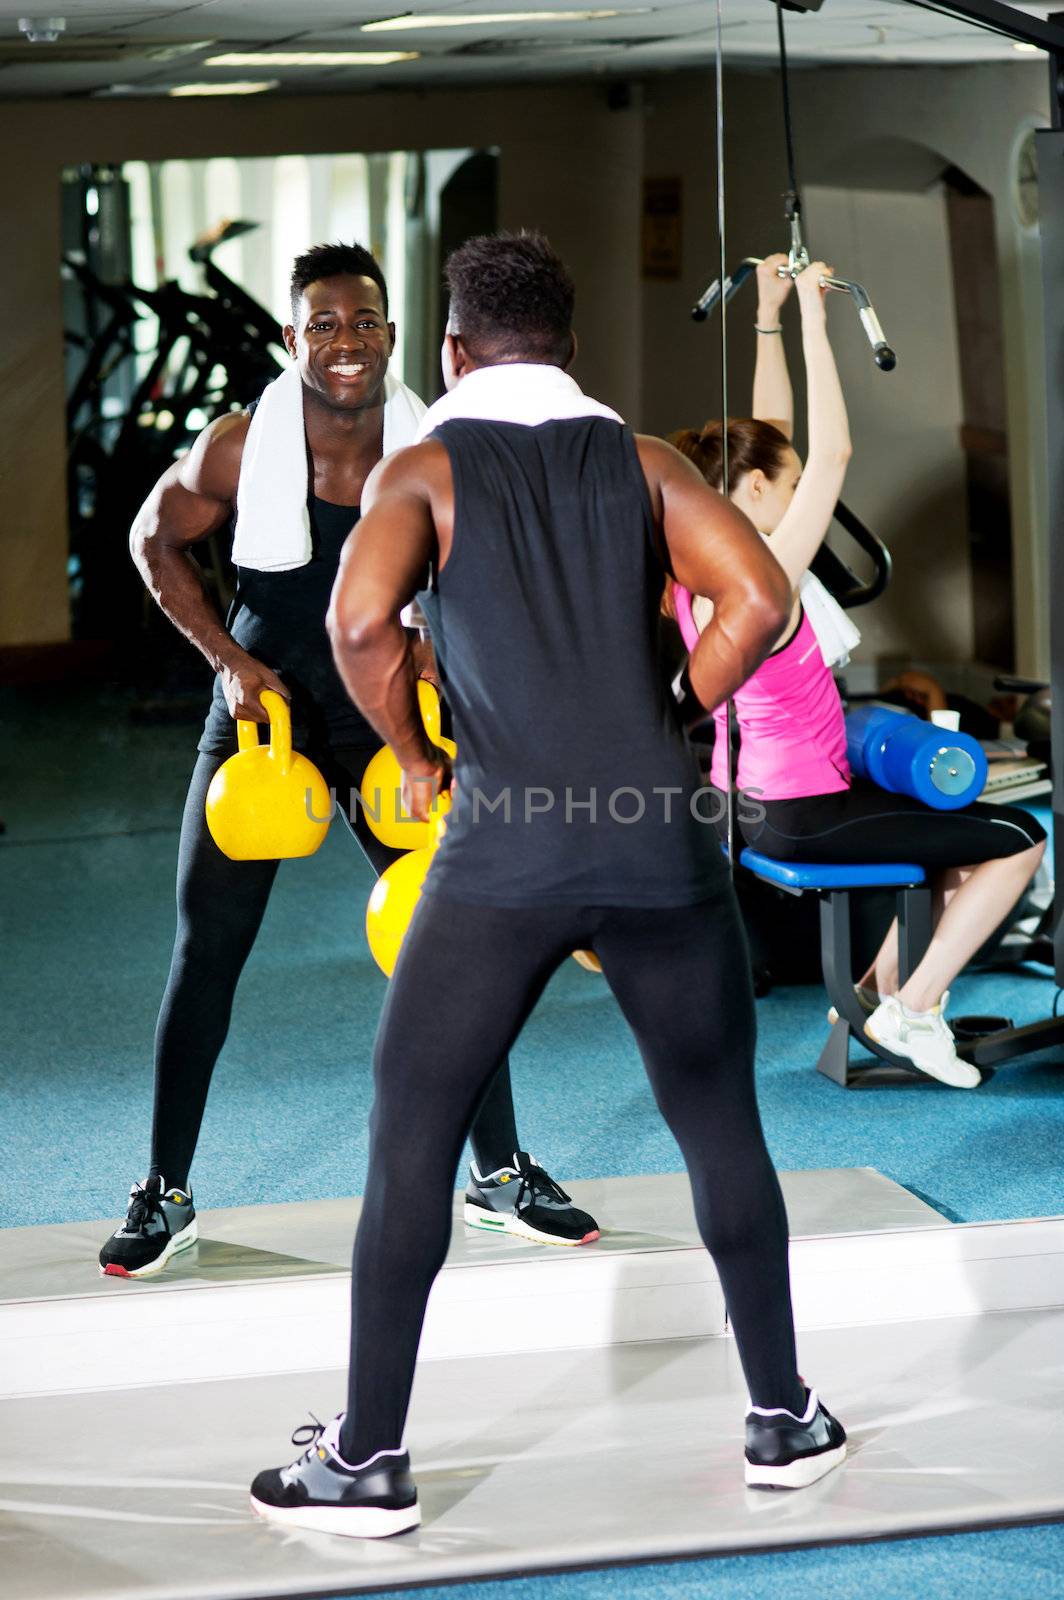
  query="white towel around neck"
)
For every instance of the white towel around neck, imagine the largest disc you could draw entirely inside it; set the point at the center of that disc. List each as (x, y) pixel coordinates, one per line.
(835, 633)
(272, 520)
(514, 391)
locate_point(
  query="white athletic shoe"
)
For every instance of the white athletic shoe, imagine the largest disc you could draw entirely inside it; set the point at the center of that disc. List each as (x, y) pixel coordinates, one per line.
(924, 1039)
(867, 999)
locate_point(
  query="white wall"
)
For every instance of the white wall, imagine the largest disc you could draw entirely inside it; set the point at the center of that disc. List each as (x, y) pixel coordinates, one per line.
(907, 476)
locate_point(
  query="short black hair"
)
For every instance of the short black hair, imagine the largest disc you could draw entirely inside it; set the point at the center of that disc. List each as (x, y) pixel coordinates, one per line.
(332, 261)
(511, 298)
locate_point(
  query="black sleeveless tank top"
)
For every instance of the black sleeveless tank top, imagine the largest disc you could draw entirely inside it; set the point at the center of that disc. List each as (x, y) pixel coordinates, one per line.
(279, 618)
(574, 782)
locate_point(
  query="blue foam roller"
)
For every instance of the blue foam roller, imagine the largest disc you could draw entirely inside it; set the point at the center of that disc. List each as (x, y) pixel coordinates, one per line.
(866, 731)
(905, 755)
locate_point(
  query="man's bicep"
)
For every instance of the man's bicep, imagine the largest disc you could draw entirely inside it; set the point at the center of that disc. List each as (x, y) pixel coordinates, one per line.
(709, 541)
(704, 540)
(176, 515)
(197, 493)
(386, 559)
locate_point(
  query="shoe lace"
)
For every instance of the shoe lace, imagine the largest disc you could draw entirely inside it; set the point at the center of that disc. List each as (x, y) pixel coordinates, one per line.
(536, 1182)
(308, 1434)
(143, 1205)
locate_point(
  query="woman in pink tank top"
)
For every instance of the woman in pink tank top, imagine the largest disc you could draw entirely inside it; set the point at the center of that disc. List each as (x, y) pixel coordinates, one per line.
(798, 799)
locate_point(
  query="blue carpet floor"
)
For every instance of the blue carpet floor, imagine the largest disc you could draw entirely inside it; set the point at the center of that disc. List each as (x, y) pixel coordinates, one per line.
(1007, 1564)
(86, 890)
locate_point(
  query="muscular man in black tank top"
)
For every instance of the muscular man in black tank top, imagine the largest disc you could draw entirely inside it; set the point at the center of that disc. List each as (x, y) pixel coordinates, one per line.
(539, 530)
(275, 638)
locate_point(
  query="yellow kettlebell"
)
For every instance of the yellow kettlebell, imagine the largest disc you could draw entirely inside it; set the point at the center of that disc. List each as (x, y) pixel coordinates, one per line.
(397, 892)
(428, 698)
(382, 784)
(267, 802)
(382, 801)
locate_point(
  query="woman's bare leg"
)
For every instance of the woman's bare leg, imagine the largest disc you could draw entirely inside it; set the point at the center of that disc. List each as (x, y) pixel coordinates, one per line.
(883, 975)
(970, 903)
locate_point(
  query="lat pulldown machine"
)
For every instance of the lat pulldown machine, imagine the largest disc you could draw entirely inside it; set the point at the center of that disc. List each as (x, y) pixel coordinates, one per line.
(1046, 35)
(798, 255)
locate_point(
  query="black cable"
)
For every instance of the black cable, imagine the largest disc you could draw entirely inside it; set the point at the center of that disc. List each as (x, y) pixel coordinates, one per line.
(721, 239)
(788, 129)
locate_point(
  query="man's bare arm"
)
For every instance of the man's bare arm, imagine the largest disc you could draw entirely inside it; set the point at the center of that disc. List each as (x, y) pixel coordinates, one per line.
(713, 550)
(384, 563)
(191, 499)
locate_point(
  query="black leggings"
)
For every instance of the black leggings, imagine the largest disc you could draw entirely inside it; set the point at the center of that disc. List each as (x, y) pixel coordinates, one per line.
(466, 981)
(220, 906)
(866, 823)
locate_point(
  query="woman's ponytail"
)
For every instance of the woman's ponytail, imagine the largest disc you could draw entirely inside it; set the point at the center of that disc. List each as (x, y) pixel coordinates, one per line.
(752, 446)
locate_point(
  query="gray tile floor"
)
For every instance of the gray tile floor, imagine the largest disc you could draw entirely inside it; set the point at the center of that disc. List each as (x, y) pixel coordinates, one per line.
(529, 1462)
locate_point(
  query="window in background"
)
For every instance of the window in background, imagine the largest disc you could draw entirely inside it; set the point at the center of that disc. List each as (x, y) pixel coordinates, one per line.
(257, 205)
(394, 252)
(222, 199)
(143, 255)
(180, 222)
(348, 216)
(292, 227)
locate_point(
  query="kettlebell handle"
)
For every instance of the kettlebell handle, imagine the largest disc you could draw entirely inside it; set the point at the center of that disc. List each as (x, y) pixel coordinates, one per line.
(439, 821)
(247, 733)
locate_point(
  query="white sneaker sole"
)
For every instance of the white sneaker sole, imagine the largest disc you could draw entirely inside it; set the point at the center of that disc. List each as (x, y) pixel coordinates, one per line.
(833, 1015)
(796, 1474)
(178, 1242)
(967, 1076)
(492, 1222)
(353, 1522)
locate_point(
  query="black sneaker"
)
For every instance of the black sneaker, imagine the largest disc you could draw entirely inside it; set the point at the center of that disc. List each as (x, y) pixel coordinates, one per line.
(157, 1226)
(323, 1492)
(788, 1452)
(526, 1201)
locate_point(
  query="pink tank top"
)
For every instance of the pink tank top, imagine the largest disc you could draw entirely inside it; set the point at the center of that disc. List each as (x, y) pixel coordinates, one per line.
(791, 725)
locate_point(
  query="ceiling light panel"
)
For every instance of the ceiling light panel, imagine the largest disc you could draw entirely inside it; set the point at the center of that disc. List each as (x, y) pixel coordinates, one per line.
(485, 19)
(258, 86)
(311, 58)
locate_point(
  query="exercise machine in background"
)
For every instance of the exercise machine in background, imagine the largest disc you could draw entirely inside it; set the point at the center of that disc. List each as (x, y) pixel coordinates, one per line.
(148, 370)
(798, 258)
(1002, 1044)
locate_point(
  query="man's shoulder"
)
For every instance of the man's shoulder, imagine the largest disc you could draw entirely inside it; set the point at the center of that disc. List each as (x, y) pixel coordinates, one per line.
(427, 458)
(213, 464)
(227, 434)
(422, 470)
(656, 452)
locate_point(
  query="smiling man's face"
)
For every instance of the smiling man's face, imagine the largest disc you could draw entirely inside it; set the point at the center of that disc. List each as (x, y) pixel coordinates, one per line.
(342, 341)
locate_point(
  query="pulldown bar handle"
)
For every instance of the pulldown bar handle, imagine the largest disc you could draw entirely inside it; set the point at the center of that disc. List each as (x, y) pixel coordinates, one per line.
(884, 356)
(732, 284)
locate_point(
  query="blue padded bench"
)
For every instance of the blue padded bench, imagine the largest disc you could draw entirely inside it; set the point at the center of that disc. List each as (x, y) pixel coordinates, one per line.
(834, 885)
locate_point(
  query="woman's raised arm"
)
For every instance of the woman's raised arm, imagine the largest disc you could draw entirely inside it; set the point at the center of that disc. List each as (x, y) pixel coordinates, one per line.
(805, 522)
(773, 399)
